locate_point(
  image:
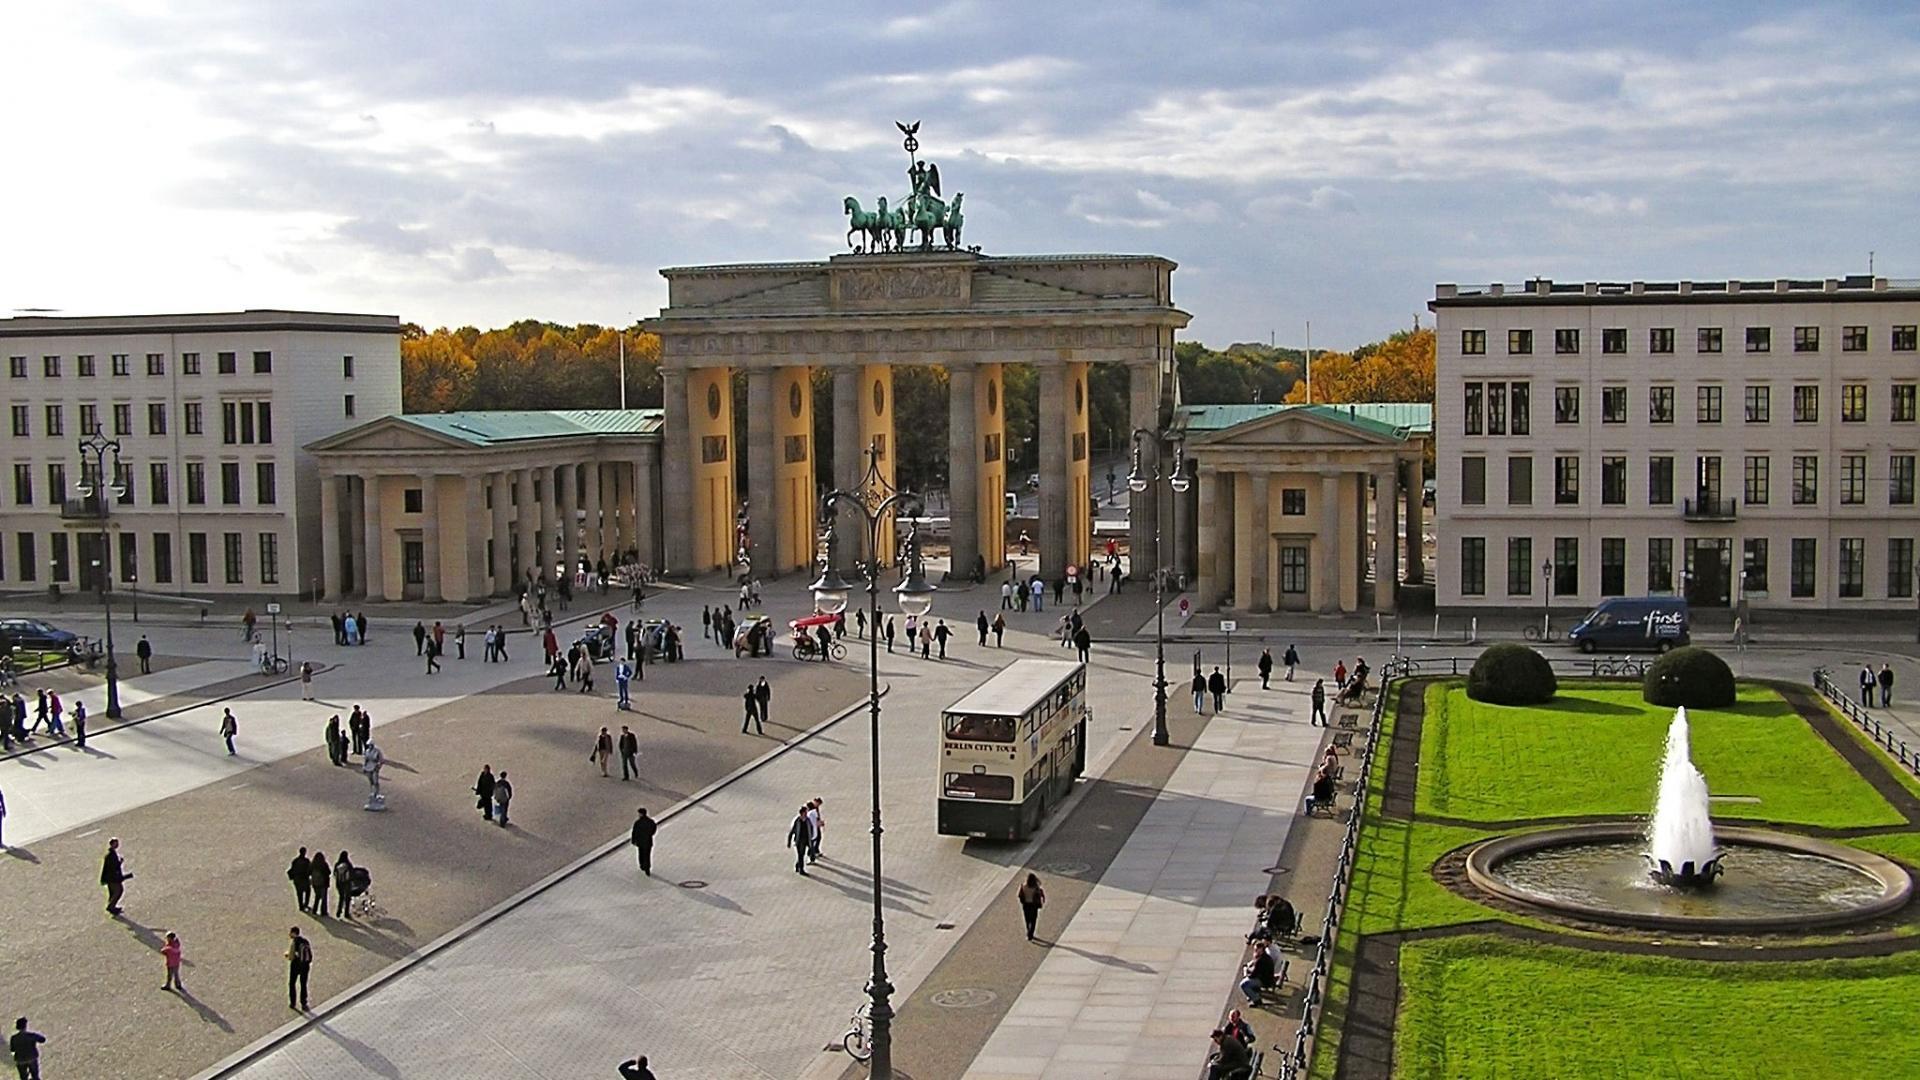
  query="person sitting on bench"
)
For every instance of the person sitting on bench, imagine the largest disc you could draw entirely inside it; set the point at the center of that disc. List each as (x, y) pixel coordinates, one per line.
(1231, 1060)
(1322, 796)
(1280, 920)
(1237, 1027)
(1259, 974)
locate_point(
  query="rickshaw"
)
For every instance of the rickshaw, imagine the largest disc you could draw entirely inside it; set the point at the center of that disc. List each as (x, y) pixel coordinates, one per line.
(750, 625)
(804, 645)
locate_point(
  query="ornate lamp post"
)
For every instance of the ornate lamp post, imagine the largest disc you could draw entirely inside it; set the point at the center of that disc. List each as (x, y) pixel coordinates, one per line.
(1138, 482)
(875, 503)
(1546, 596)
(102, 491)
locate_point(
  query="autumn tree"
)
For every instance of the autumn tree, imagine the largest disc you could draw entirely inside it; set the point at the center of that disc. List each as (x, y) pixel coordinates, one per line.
(1397, 369)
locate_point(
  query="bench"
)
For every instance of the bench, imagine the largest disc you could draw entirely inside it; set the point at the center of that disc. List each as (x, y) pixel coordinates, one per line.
(1343, 741)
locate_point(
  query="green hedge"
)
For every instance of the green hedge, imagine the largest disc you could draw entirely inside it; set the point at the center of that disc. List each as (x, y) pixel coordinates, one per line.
(1510, 674)
(1691, 676)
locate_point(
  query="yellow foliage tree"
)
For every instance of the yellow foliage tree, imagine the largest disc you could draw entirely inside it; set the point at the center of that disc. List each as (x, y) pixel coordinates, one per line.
(1397, 369)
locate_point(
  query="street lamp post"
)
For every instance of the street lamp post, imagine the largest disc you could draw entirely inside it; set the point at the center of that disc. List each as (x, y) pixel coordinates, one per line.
(1138, 482)
(103, 491)
(1546, 597)
(1916, 601)
(875, 501)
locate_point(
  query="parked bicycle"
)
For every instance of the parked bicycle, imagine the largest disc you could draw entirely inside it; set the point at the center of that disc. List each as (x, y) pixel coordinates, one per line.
(858, 1040)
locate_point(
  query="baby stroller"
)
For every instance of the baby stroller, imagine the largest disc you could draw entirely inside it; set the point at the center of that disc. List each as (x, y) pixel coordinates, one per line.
(360, 894)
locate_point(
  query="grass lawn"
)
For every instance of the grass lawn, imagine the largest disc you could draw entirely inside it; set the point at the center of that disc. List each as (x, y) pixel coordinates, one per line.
(1596, 750)
(1485, 1007)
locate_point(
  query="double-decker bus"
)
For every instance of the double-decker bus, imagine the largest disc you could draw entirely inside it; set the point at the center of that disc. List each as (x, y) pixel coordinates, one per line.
(1011, 749)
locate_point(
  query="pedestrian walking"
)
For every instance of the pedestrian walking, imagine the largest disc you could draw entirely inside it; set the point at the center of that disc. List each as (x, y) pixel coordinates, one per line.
(1199, 693)
(913, 634)
(80, 725)
(144, 651)
(1217, 686)
(460, 642)
(1039, 590)
(889, 633)
(321, 875)
(353, 729)
(1006, 595)
(1083, 642)
(1265, 666)
(860, 623)
(763, 695)
(502, 795)
(306, 680)
(980, 623)
(170, 953)
(229, 727)
(819, 826)
(3, 821)
(1292, 660)
(483, 787)
(1340, 674)
(585, 672)
(940, 635)
(299, 963)
(602, 750)
(114, 875)
(336, 741)
(247, 622)
(999, 631)
(500, 645)
(1886, 685)
(629, 753)
(643, 829)
(433, 656)
(706, 621)
(800, 838)
(25, 1048)
(1867, 684)
(57, 727)
(1319, 717)
(343, 886)
(623, 684)
(752, 715)
(1032, 898)
(300, 872)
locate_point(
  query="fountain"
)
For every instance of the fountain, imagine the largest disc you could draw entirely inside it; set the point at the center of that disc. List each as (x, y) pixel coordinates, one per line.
(1676, 871)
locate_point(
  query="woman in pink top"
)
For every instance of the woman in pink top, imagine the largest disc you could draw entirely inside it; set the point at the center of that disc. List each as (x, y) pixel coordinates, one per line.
(171, 951)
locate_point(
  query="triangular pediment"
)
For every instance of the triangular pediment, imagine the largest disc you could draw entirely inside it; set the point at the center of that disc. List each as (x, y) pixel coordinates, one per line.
(389, 433)
(1298, 427)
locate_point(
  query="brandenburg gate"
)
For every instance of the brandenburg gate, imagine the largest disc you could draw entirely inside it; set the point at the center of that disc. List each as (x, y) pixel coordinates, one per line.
(888, 303)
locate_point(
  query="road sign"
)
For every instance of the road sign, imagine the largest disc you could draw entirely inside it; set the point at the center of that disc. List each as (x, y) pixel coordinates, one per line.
(1228, 626)
(1073, 571)
(273, 609)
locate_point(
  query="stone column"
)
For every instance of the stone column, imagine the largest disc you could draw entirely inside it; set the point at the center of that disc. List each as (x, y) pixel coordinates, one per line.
(1186, 527)
(567, 490)
(1327, 575)
(1055, 448)
(543, 540)
(676, 474)
(876, 428)
(330, 535)
(763, 466)
(500, 567)
(1260, 545)
(473, 492)
(1216, 540)
(621, 477)
(1416, 509)
(1143, 508)
(990, 471)
(713, 500)
(849, 465)
(645, 504)
(1386, 536)
(787, 541)
(595, 544)
(963, 470)
(430, 538)
(372, 538)
(526, 522)
(357, 530)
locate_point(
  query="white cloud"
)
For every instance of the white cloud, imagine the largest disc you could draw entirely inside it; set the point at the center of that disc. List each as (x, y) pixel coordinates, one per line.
(1600, 203)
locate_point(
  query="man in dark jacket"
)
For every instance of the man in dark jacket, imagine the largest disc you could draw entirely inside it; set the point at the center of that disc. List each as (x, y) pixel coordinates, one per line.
(1319, 718)
(1217, 686)
(643, 829)
(629, 753)
(763, 696)
(1230, 1060)
(800, 838)
(144, 651)
(483, 789)
(636, 1069)
(113, 875)
(300, 874)
(25, 1048)
(982, 625)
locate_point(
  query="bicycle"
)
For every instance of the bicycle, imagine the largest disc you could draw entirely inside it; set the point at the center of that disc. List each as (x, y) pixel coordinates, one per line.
(1536, 633)
(858, 1041)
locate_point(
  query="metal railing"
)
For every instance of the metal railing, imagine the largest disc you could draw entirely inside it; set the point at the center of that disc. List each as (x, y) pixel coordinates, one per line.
(1585, 667)
(1708, 509)
(1881, 734)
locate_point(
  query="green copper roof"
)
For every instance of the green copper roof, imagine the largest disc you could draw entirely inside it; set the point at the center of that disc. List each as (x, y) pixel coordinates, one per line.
(518, 425)
(1381, 418)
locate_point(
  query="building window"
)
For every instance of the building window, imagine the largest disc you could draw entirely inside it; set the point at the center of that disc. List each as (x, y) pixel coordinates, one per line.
(1759, 404)
(1566, 566)
(84, 364)
(1475, 394)
(1520, 342)
(1660, 405)
(129, 557)
(1519, 481)
(411, 501)
(158, 492)
(227, 363)
(1900, 406)
(230, 483)
(1519, 566)
(17, 367)
(162, 559)
(1660, 564)
(1853, 480)
(346, 367)
(1522, 395)
(1613, 342)
(190, 363)
(22, 485)
(263, 483)
(1566, 342)
(269, 559)
(192, 421)
(1613, 481)
(1853, 403)
(1900, 480)
(1293, 502)
(1753, 565)
(1899, 567)
(1806, 404)
(1853, 339)
(1853, 568)
(230, 422)
(230, 558)
(156, 418)
(1473, 481)
(1566, 404)
(1660, 339)
(123, 479)
(1708, 340)
(156, 363)
(29, 561)
(1759, 480)
(122, 365)
(196, 483)
(22, 421)
(1613, 566)
(1496, 408)
(1660, 480)
(1806, 339)
(1473, 343)
(1473, 566)
(197, 558)
(1903, 339)
(50, 367)
(262, 363)
(60, 571)
(123, 418)
(1759, 339)
(1566, 481)
(1806, 480)
(346, 405)
(57, 480)
(56, 421)
(89, 419)
(1613, 404)
(1706, 408)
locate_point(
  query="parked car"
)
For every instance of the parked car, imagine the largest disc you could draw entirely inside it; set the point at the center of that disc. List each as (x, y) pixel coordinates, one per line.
(35, 634)
(1033, 482)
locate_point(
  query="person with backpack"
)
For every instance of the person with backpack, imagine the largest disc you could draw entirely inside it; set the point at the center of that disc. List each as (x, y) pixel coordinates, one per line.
(1319, 717)
(299, 964)
(1292, 660)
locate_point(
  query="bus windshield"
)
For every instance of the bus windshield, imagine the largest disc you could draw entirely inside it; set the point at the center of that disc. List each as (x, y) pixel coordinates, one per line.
(967, 727)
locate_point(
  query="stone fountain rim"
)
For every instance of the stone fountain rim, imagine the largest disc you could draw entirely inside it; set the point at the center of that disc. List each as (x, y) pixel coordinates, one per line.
(1896, 885)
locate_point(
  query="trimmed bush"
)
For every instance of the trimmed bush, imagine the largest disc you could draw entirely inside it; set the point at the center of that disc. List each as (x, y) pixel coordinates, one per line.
(1689, 676)
(1510, 674)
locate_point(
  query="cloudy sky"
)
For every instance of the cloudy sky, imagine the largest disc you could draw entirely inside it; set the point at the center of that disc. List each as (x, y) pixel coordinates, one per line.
(463, 162)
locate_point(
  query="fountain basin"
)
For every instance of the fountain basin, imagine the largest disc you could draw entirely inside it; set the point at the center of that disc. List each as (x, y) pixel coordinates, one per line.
(1774, 881)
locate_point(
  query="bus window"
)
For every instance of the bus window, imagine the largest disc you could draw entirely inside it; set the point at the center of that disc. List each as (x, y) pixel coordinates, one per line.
(979, 786)
(967, 727)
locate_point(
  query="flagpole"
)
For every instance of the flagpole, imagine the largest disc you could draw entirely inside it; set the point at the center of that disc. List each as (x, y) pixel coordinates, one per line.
(623, 371)
(1309, 363)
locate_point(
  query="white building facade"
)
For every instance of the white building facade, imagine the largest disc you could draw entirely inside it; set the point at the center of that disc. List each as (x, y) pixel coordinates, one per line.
(1727, 441)
(211, 412)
